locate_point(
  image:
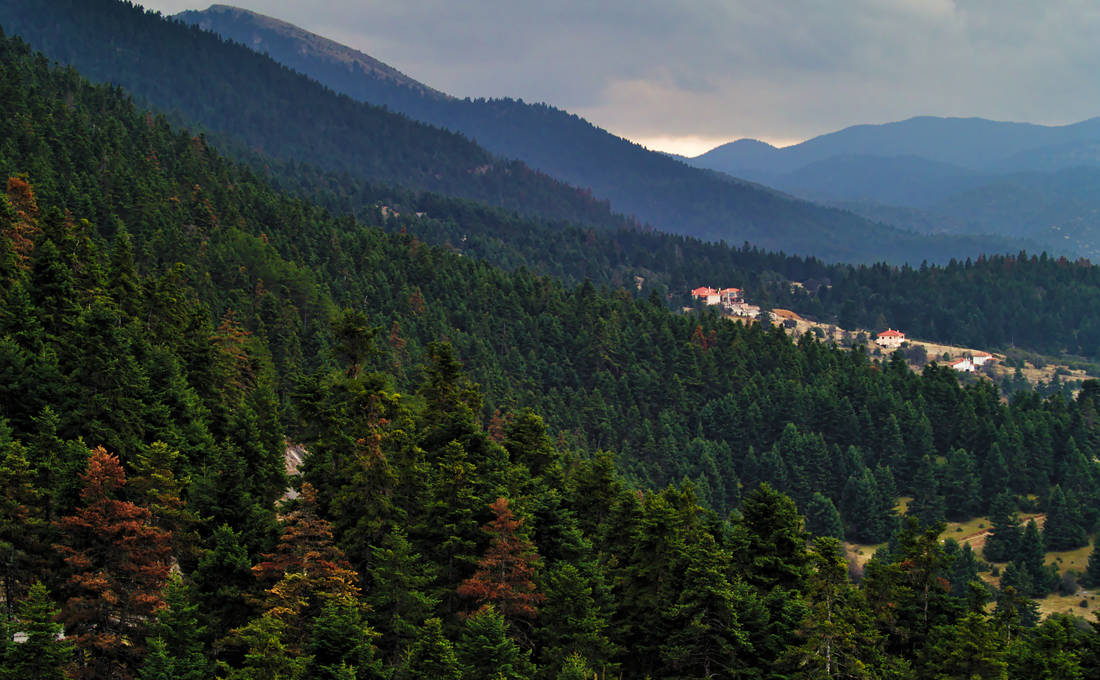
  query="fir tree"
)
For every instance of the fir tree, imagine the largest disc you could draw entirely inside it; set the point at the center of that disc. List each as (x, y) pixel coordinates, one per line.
(822, 518)
(43, 654)
(1063, 528)
(504, 577)
(485, 650)
(430, 655)
(119, 564)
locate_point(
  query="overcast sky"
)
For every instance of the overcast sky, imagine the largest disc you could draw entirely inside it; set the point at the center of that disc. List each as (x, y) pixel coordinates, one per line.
(687, 75)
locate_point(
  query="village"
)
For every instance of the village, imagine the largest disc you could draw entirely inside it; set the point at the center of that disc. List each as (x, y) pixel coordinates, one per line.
(732, 301)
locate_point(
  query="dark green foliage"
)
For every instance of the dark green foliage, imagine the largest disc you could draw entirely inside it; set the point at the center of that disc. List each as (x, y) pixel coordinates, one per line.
(769, 541)
(341, 645)
(1091, 577)
(485, 650)
(1004, 537)
(40, 655)
(1064, 528)
(429, 655)
(822, 518)
(970, 649)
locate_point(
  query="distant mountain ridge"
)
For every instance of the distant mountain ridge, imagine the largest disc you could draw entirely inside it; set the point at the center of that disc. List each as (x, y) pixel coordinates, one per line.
(944, 175)
(656, 188)
(973, 143)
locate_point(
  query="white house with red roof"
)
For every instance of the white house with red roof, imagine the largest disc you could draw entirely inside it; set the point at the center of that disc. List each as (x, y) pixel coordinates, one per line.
(731, 296)
(981, 359)
(890, 339)
(708, 295)
(962, 365)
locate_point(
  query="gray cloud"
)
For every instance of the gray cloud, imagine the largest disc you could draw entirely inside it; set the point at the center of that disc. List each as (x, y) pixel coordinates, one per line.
(725, 69)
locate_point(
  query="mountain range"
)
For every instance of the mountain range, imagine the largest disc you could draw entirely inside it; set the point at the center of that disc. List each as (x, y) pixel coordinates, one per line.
(948, 175)
(658, 190)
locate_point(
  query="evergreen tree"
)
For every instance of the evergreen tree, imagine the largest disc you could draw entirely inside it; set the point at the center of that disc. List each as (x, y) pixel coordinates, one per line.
(861, 504)
(504, 577)
(969, 649)
(704, 634)
(1063, 528)
(928, 503)
(398, 595)
(341, 644)
(1091, 577)
(176, 647)
(430, 655)
(1003, 541)
(223, 579)
(838, 639)
(1030, 563)
(43, 654)
(265, 653)
(485, 650)
(1053, 649)
(822, 518)
(119, 563)
(769, 541)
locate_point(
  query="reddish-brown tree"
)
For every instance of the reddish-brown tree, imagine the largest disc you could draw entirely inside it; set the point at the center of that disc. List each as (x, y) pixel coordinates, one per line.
(306, 570)
(505, 575)
(22, 229)
(119, 562)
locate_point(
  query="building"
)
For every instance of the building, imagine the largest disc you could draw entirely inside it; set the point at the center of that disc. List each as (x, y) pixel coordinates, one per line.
(962, 365)
(708, 295)
(890, 339)
(981, 359)
(731, 296)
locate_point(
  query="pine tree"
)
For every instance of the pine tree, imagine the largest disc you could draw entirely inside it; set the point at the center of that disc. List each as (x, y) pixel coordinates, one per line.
(1063, 528)
(119, 564)
(822, 518)
(769, 541)
(861, 504)
(485, 650)
(1030, 562)
(928, 503)
(1004, 537)
(341, 644)
(838, 638)
(704, 635)
(222, 580)
(575, 667)
(504, 576)
(1091, 577)
(430, 655)
(21, 531)
(266, 655)
(970, 649)
(570, 620)
(176, 647)
(43, 655)
(398, 595)
(307, 568)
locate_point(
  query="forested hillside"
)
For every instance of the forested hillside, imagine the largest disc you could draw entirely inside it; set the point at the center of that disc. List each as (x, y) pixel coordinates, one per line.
(168, 320)
(251, 101)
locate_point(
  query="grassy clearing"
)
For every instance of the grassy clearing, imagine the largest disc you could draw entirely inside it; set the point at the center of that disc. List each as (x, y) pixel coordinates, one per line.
(1070, 604)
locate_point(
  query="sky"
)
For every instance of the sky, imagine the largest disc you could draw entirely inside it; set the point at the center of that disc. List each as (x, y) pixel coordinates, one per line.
(687, 75)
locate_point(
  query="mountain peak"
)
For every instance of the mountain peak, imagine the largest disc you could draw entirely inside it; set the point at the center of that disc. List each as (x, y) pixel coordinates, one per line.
(259, 31)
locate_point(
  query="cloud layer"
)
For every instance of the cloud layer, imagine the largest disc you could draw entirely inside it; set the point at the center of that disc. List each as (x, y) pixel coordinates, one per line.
(724, 69)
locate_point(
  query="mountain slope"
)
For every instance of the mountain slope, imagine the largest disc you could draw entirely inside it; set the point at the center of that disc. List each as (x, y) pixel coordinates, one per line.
(656, 188)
